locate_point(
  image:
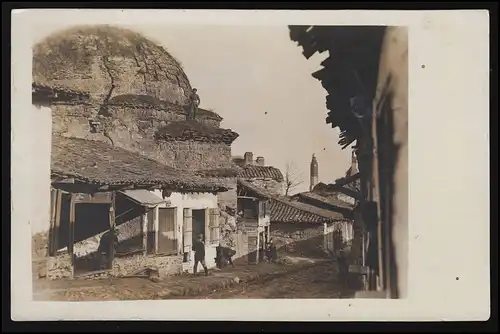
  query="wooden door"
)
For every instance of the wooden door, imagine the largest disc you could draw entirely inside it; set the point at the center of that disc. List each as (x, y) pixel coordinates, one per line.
(167, 243)
(187, 228)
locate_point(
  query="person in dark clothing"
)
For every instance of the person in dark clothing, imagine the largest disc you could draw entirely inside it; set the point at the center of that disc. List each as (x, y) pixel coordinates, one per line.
(107, 244)
(199, 254)
(224, 255)
(194, 102)
(272, 253)
(343, 267)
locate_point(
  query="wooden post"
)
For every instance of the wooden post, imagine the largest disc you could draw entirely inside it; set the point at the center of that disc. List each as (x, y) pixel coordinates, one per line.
(71, 229)
(156, 225)
(144, 221)
(57, 220)
(376, 197)
(52, 236)
(112, 223)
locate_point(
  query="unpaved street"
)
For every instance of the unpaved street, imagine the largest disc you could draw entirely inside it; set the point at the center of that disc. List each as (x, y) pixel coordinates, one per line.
(299, 278)
(312, 282)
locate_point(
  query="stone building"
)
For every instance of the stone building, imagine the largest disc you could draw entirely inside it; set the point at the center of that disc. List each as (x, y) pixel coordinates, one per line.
(256, 171)
(302, 228)
(111, 88)
(156, 215)
(243, 169)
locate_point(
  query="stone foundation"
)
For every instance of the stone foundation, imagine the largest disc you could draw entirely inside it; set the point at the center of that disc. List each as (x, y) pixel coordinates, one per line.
(166, 265)
(291, 238)
(59, 266)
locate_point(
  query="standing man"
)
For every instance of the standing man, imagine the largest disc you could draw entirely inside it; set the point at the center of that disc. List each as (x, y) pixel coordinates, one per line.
(107, 247)
(194, 102)
(199, 254)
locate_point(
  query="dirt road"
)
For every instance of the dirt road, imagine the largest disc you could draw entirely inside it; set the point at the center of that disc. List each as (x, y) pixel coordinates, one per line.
(313, 282)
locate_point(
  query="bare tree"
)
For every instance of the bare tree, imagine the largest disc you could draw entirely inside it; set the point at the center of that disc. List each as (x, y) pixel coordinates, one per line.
(292, 178)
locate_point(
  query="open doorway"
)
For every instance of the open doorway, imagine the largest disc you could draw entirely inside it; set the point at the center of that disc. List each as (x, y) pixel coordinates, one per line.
(198, 224)
(91, 219)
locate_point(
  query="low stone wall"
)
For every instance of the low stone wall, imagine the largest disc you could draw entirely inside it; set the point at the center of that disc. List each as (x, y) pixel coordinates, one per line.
(298, 239)
(59, 266)
(166, 265)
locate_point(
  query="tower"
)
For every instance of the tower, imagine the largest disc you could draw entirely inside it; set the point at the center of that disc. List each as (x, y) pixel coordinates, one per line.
(313, 173)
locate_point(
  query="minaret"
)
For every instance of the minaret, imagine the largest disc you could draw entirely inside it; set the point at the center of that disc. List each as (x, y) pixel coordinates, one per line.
(314, 173)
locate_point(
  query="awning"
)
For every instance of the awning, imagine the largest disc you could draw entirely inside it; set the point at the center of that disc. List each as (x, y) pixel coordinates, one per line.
(143, 197)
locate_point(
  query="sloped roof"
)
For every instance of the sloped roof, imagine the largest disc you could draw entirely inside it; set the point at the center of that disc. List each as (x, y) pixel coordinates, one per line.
(285, 210)
(256, 171)
(323, 199)
(99, 163)
(245, 172)
(218, 172)
(193, 130)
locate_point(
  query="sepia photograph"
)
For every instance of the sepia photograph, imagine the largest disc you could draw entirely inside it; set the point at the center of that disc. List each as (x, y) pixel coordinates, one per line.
(159, 190)
(220, 161)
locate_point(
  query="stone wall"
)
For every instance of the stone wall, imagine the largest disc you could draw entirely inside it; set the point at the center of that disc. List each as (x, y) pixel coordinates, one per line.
(39, 252)
(59, 266)
(229, 198)
(134, 130)
(192, 155)
(298, 239)
(166, 265)
(271, 185)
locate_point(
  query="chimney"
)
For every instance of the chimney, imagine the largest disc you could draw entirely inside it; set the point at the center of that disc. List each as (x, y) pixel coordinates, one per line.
(260, 161)
(248, 158)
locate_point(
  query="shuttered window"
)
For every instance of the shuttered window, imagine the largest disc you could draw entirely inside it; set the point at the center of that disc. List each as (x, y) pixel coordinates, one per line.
(213, 224)
(151, 237)
(167, 241)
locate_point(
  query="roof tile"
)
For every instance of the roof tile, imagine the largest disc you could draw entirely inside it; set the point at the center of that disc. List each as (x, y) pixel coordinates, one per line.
(99, 163)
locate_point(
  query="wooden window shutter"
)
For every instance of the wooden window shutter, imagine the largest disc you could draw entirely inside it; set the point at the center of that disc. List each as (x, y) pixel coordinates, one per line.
(214, 225)
(187, 228)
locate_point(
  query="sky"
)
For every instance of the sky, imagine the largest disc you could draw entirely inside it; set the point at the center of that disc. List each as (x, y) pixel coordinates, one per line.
(257, 79)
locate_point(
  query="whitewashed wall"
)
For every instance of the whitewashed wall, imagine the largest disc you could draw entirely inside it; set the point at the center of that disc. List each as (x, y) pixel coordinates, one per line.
(194, 202)
(38, 197)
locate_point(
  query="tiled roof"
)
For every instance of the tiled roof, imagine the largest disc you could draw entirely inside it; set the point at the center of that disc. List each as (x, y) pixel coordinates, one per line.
(193, 130)
(256, 171)
(326, 200)
(102, 164)
(244, 172)
(285, 210)
(218, 172)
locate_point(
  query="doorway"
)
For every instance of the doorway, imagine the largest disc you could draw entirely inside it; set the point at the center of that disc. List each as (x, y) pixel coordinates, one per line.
(91, 250)
(198, 224)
